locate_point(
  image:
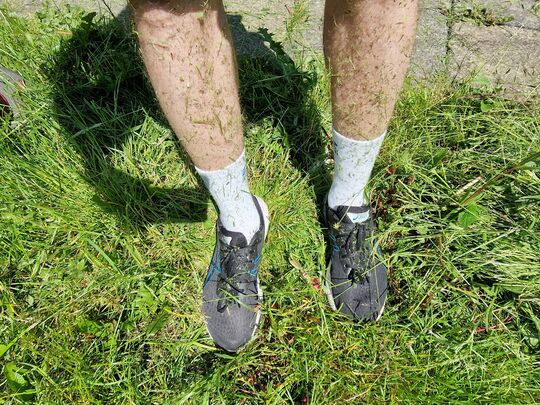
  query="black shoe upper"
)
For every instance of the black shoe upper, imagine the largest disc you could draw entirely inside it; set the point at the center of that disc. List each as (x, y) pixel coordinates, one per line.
(231, 291)
(357, 275)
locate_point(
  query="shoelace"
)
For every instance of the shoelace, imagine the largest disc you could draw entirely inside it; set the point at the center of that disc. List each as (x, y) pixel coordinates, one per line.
(354, 252)
(234, 266)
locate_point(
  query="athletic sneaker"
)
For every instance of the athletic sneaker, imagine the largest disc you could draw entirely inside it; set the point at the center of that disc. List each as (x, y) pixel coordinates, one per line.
(231, 294)
(356, 277)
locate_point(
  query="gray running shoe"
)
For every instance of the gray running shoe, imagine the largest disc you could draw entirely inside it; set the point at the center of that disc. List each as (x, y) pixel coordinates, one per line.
(231, 294)
(356, 278)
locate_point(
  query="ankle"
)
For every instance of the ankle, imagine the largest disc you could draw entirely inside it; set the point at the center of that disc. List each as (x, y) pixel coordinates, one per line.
(241, 216)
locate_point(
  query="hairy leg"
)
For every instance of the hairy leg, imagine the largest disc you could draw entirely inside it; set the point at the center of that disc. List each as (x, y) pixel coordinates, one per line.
(367, 44)
(189, 55)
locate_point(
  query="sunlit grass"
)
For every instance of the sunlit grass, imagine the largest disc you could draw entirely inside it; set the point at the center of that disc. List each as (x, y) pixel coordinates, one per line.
(106, 233)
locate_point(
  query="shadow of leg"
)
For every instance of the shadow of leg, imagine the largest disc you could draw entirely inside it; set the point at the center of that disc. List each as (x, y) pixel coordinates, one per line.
(273, 86)
(103, 102)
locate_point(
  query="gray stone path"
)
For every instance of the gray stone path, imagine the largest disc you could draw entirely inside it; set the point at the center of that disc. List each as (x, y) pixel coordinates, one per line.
(506, 54)
(497, 39)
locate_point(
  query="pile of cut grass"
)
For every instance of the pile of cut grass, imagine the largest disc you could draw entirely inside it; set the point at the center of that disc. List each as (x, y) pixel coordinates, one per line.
(106, 234)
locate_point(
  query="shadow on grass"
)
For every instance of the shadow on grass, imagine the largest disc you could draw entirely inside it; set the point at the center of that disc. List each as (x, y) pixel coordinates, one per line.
(102, 96)
(273, 87)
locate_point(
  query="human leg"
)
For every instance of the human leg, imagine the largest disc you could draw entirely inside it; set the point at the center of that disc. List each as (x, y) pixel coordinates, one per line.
(367, 45)
(189, 55)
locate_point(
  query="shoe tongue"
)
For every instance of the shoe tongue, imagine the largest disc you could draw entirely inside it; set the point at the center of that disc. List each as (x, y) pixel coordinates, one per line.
(236, 239)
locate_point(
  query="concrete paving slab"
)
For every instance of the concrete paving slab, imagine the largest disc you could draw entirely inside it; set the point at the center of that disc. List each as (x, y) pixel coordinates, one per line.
(276, 17)
(429, 55)
(523, 13)
(506, 56)
(270, 14)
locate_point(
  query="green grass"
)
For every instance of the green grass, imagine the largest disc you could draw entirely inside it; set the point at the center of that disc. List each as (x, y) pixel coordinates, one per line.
(106, 233)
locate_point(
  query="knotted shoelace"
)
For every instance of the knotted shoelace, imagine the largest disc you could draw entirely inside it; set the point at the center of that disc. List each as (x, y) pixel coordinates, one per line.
(234, 266)
(355, 252)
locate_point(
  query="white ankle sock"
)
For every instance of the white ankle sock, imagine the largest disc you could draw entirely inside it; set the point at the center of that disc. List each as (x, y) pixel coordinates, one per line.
(230, 190)
(353, 162)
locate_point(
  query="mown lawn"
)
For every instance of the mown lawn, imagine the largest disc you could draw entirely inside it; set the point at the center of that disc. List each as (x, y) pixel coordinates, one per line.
(106, 232)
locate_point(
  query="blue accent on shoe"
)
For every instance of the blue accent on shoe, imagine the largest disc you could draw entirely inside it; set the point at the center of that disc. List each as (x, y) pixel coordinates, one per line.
(253, 271)
(335, 245)
(214, 268)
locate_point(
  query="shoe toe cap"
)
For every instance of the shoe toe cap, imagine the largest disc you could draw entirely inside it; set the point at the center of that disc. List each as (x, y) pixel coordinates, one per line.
(230, 330)
(365, 300)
